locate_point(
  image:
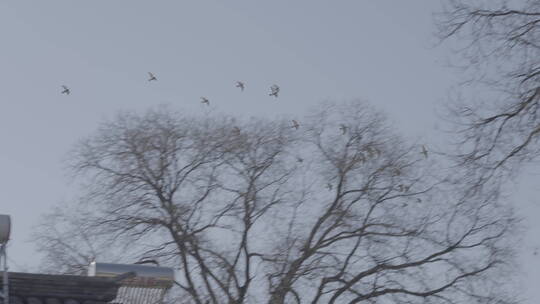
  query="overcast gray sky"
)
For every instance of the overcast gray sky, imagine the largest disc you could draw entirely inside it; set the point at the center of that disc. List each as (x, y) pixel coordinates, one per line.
(380, 51)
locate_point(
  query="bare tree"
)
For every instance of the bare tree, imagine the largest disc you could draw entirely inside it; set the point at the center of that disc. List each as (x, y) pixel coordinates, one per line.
(364, 217)
(68, 249)
(69, 243)
(500, 44)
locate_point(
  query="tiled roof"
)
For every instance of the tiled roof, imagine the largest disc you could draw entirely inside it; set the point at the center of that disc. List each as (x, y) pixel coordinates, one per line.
(28, 288)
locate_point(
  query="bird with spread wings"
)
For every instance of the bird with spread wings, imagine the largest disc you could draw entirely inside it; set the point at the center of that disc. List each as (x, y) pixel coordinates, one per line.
(274, 90)
(241, 85)
(65, 90)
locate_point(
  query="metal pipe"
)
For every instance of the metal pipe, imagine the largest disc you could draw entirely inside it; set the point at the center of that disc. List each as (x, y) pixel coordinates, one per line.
(5, 228)
(5, 279)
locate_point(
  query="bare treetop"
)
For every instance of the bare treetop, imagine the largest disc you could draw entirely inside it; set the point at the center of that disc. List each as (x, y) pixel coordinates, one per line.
(500, 43)
(229, 204)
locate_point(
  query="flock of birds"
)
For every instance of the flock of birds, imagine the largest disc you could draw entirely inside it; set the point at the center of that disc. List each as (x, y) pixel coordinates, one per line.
(375, 151)
(274, 89)
(274, 92)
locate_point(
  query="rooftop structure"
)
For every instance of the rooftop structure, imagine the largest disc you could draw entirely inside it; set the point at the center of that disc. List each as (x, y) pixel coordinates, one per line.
(105, 283)
(29, 288)
(148, 284)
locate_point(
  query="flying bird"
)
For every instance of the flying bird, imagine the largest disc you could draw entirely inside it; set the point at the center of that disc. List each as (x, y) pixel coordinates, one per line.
(240, 85)
(274, 90)
(373, 151)
(295, 124)
(329, 187)
(424, 151)
(343, 129)
(66, 90)
(205, 100)
(362, 158)
(152, 77)
(299, 159)
(403, 188)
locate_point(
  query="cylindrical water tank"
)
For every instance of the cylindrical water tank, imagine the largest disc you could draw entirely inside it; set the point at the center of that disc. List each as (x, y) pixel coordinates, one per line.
(5, 228)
